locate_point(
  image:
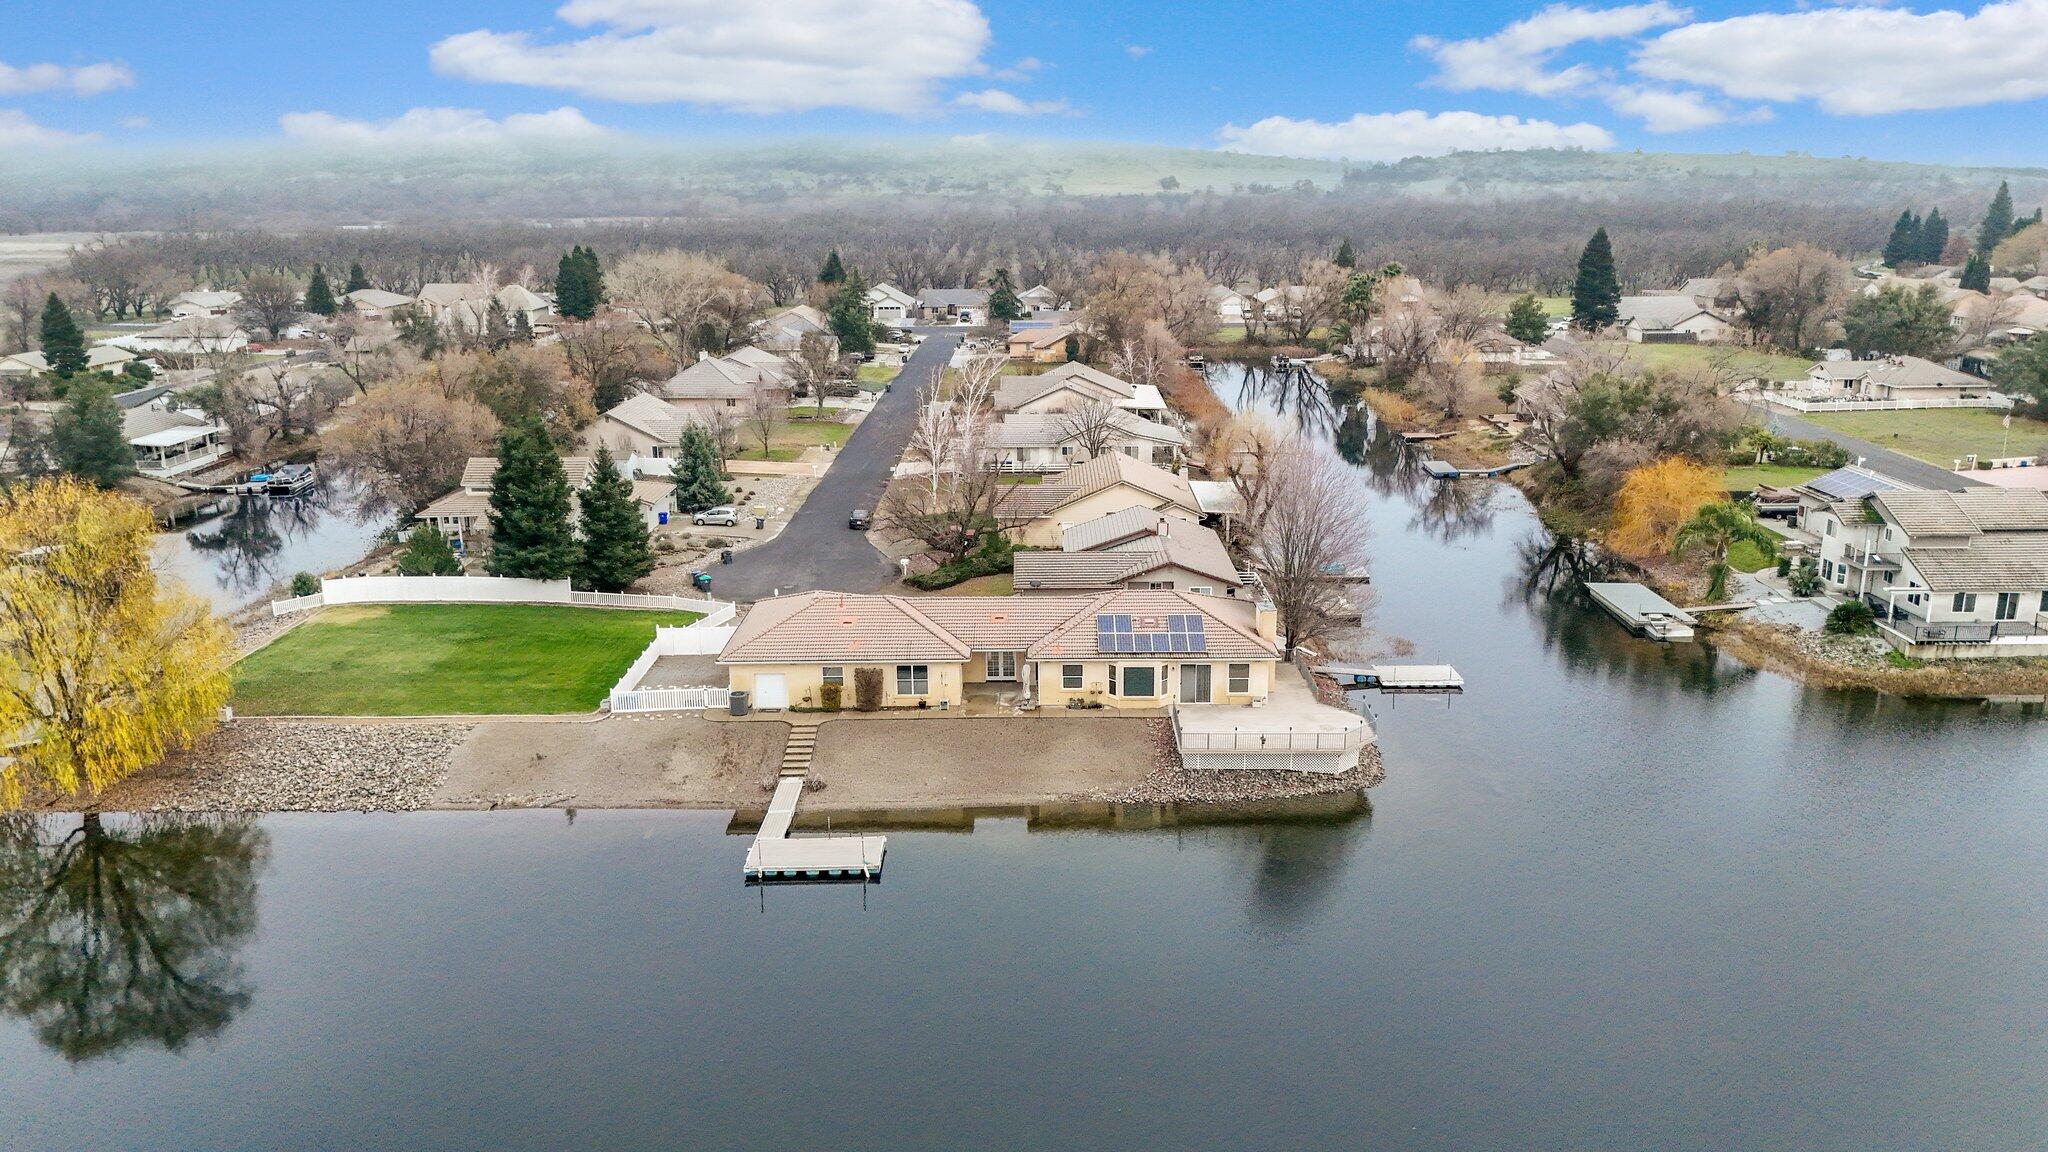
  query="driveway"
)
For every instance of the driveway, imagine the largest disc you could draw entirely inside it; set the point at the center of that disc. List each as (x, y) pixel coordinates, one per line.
(1894, 464)
(817, 549)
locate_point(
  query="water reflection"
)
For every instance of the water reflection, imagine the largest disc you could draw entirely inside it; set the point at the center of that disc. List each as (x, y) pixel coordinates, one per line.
(1294, 392)
(236, 558)
(125, 935)
(1333, 810)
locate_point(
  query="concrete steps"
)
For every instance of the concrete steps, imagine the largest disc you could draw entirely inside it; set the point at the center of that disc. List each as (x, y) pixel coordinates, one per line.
(797, 752)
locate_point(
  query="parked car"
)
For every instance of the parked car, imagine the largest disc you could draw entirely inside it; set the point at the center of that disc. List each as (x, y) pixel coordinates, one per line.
(724, 515)
(859, 520)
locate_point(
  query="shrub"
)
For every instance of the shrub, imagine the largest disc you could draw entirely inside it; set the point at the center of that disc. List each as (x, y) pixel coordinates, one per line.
(1784, 567)
(1806, 580)
(991, 557)
(867, 689)
(829, 697)
(305, 584)
(1851, 618)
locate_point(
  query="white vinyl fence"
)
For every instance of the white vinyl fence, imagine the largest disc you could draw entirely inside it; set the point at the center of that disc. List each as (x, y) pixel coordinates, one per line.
(702, 638)
(1809, 404)
(670, 700)
(490, 590)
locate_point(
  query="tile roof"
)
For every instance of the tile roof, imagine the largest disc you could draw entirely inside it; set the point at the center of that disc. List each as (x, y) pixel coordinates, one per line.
(1897, 372)
(2003, 562)
(1105, 471)
(1115, 528)
(461, 502)
(1970, 512)
(1656, 313)
(645, 412)
(954, 297)
(477, 473)
(822, 627)
(1231, 627)
(715, 379)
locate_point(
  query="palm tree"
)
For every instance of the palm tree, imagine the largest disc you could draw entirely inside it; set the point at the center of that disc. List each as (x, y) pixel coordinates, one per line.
(1718, 526)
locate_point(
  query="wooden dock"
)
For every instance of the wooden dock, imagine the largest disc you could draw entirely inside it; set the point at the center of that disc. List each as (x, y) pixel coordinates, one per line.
(1643, 612)
(777, 857)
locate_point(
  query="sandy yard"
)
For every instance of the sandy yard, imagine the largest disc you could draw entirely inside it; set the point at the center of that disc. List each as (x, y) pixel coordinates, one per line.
(1002, 760)
(666, 759)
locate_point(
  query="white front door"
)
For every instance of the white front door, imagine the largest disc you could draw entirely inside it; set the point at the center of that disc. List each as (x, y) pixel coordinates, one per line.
(1002, 665)
(771, 690)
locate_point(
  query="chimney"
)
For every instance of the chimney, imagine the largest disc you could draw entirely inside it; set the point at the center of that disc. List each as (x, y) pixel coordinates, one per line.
(1268, 618)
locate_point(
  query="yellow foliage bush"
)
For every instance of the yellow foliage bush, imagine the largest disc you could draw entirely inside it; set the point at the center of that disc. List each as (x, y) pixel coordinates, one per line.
(1654, 500)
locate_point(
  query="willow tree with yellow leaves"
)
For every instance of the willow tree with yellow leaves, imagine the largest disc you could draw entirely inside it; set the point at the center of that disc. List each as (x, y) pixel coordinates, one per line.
(1655, 500)
(102, 669)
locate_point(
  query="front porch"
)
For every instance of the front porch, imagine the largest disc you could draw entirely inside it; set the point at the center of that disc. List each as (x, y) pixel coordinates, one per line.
(177, 451)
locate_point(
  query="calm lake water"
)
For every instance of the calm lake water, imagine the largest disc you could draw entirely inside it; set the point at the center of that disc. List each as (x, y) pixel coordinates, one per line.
(238, 558)
(1618, 896)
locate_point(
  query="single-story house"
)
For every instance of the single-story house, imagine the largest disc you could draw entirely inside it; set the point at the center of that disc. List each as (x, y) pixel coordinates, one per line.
(719, 382)
(1056, 441)
(1892, 378)
(2038, 285)
(1040, 345)
(194, 335)
(1134, 548)
(98, 358)
(203, 302)
(169, 441)
(785, 331)
(640, 425)
(1672, 319)
(1041, 513)
(1230, 304)
(374, 303)
(953, 305)
(1121, 649)
(1499, 351)
(1072, 385)
(467, 306)
(888, 304)
(464, 515)
(1039, 299)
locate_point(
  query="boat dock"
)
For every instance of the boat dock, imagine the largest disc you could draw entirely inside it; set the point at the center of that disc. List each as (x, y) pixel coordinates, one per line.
(1444, 470)
(1395, 677)
(1643, 612)
(776, 856)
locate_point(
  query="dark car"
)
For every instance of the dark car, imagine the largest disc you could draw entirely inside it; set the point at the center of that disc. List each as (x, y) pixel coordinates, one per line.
(859, 521)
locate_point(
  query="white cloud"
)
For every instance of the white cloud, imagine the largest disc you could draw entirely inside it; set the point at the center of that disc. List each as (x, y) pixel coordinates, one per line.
(86, 80)
(436, 126)
(1009, 104)
(18, 131)
(1518, 57)
(1396, 135)
(1864, 61)
(878, 55)
(1023, 69)
(1666, 109)
(1137, 51)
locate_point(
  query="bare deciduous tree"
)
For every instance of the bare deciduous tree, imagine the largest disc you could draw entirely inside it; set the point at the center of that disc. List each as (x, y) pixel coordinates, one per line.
(1788, 295)
(1092, 426)
(1310, 525)
(673, 293)
(766, 414)
(1448, 376)
(604, 352)
(270, 301)
(409, 440)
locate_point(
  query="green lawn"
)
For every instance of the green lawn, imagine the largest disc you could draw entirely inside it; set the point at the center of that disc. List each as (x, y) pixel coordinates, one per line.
(1556, 307)
(1746, 557)
(1748, 477)
(445, 659)
(1942, 436)
(792, 437)
(875, 377)
(1746, 363)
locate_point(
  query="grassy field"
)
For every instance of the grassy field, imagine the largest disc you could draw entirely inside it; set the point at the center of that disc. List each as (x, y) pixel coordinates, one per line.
(445, 659)
(1000, 584)
(1556, 307)
(1746, 363)
(1747, 477)
(1941, 436)
(792, 437)
(875, 377)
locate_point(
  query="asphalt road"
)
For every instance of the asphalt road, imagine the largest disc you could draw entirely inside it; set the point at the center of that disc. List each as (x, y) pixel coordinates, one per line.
(1894, 464)
(817, 549)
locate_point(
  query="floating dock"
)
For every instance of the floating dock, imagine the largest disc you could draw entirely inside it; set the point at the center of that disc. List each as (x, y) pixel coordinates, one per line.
(776, 857)
(1396, 677)
(1643, 612)
(1444, 470)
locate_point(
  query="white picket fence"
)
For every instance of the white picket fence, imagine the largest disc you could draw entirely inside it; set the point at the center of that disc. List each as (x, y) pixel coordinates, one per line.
(1808, 404)
(702, 638)
(670, 700)
(490, 590)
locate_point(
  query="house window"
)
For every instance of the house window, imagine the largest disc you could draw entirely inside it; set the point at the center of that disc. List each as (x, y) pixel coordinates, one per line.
(1113, 686)
(835, 674)
(2008, 606)
(2044, 601)
(1828, 527)
(1964, 602)
(913, 679)
(657, 451)
(1827, 569)
(1070, 676)
(1141, 681)
(1240, 679)
(731, 402)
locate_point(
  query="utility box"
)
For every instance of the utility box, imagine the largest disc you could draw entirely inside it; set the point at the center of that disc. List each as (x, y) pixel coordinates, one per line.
(737, 706)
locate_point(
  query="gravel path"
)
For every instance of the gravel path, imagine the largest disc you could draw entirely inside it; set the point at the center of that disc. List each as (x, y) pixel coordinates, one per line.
(295, 767)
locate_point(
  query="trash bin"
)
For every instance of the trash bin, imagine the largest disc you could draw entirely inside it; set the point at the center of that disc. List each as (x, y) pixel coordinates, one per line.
(760, 522)
(725, 555)
(738, 704)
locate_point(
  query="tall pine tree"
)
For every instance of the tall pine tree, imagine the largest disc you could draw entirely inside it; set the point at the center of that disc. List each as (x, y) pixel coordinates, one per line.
(1933, 237)
(63, 343)
(1345, 257)
(357, 279)
(848, 312)
(319, 295)
(578, 284)
(1904, 245)
(1003, 304)
(86, 435)
(834, 271)
(695, 472)
(1976, 275)
(1997, 223)
(615, 550)
(530, 533)
(1596, 293)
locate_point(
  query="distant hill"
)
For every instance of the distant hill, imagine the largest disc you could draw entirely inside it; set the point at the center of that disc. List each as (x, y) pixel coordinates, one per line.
(281, 185)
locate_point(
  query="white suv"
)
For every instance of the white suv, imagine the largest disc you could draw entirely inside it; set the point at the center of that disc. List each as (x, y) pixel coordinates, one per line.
(725, 515)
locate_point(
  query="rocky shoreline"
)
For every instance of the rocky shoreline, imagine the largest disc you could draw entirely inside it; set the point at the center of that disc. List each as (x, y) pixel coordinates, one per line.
(1169, 782)
(298, 767)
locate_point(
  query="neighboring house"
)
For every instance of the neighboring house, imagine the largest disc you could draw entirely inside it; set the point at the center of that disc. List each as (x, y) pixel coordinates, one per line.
(953, 305)
(1041, 513)
(1672, 319)
(1072, 385)
(1124, 649)
(642, 425)
(168, 441)
(194, 335)
(464, 515)
(1892, 378)
(2038, 285)
(1040, 345)
(1057, 441)
(203, 302)
(1499, 351)
(1950, 574)
(888, 304)
(1134, 548)
(375, 303)
(521, 302)
(1039, 299)
(98, 358)
(761, 366)
(467, 306)
(719, 382)
(1230, 304)
(784, 332)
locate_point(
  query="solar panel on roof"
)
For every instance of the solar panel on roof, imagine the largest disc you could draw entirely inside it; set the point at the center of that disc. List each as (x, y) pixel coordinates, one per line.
(1848, 484)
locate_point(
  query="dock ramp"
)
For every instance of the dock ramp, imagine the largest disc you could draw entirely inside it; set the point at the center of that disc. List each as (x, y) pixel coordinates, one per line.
(776, 856)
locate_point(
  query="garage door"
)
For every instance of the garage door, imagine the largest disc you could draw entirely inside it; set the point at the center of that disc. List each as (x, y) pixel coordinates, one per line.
(771, 690)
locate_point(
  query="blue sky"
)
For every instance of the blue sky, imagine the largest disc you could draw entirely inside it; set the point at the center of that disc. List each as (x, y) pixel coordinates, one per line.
(1364, 81)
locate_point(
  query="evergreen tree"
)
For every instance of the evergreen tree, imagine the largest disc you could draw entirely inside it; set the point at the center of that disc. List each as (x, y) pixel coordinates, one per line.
(1003, 304)
(86, 435)
(834, 271)
(1073, 348)
(578, 284)
(851, 318)
(1997, 221)
(1596, 294)
(319, 296)
(2022, 370)
(530, 533)
(593, 279)
(1976, 274)
(428, 553)
(696, 472)
(1345, 257)
(1904, 245)
(357, 279)
(615, 548)
(1933, 237)
(63, 343)
(1527, 321)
